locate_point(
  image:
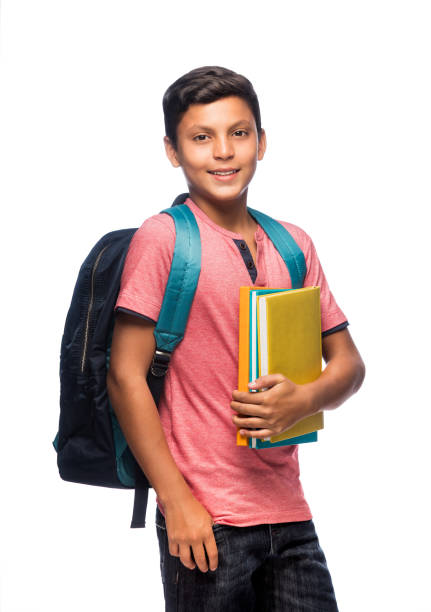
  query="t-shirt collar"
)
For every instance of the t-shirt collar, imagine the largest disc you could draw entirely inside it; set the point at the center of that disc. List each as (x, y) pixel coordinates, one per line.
(202, 215)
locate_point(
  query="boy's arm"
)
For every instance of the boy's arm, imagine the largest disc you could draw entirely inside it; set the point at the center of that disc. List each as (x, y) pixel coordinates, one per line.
(343, 374)
(187, 521)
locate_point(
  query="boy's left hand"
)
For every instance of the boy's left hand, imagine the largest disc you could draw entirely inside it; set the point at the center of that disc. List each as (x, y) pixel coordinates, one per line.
(272, 411)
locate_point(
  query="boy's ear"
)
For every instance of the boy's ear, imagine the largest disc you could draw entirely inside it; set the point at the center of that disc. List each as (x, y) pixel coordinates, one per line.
(261, 148)
(171, 152)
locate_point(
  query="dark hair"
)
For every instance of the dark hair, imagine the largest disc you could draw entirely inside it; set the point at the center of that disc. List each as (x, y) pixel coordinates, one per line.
(202, 86)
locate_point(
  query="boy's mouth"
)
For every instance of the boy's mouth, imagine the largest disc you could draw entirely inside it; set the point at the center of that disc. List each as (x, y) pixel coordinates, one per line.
(227, 172)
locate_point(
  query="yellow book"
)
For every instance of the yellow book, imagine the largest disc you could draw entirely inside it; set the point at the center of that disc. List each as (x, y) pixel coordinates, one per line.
(290, 343)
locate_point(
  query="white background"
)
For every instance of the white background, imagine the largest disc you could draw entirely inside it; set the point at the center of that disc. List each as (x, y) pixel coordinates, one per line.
(345, 98)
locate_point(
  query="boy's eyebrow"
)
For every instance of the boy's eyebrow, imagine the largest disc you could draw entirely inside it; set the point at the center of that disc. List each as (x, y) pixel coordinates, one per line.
(206, 128)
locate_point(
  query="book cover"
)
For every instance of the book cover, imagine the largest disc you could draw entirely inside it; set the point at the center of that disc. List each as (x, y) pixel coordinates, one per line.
(248, 366)
(290, 342)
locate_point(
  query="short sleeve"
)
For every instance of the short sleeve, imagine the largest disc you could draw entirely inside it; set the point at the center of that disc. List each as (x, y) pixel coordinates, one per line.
(333, 318)
(147, 266)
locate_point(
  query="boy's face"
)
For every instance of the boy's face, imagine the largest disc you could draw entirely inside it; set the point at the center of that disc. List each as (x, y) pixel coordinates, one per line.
(218, 136)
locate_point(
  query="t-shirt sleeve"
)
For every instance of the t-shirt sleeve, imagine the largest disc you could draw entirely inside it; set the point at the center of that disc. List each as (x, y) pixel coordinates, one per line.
(146, 268)
(333, 318)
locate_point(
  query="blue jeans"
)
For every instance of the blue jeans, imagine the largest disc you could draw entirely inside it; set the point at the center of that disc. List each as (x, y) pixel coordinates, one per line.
(277, 567)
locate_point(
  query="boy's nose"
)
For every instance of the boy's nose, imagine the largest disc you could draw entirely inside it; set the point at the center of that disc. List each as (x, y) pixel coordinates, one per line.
(223, 148)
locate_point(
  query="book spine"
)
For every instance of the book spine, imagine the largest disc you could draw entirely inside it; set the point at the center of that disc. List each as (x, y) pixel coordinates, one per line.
(243, 351)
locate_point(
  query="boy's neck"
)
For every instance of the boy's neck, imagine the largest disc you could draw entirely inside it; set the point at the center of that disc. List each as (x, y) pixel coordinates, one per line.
(232, 215)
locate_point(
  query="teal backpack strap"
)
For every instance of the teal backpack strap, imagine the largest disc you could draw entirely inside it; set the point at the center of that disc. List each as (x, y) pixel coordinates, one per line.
(285, 244)
(182, 281)
(169, 331)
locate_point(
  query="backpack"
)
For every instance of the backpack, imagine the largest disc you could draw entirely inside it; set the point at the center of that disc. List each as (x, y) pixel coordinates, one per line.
(90, 445)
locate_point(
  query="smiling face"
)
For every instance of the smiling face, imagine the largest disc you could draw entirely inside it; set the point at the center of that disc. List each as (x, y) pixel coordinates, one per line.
(218, 137)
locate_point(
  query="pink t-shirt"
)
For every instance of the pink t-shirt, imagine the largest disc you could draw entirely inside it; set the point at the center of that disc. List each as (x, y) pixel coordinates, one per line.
(236, 484)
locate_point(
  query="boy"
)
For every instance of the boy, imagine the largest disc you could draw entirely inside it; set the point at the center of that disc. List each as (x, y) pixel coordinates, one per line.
(236, 513)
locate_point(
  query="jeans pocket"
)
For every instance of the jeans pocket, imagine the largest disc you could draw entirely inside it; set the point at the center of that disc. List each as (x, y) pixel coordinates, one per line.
(219, 533)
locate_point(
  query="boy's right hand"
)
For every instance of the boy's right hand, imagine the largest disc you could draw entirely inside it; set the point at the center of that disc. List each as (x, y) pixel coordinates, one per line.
(189, 526)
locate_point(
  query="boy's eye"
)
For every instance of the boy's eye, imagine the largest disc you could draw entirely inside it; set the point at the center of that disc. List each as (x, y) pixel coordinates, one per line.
(240, 131)
(200, 137)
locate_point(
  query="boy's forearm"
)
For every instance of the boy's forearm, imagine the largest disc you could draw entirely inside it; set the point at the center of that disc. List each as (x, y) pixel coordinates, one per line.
(139, 420)
(339, 380)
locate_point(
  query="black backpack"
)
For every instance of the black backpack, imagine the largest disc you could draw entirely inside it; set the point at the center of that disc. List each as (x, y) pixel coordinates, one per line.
(90, 445)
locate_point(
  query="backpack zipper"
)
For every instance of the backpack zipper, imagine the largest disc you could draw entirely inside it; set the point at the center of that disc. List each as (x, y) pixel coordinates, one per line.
(90, 307)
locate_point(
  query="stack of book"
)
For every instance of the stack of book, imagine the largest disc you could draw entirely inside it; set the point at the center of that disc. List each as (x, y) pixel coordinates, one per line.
(280, 333)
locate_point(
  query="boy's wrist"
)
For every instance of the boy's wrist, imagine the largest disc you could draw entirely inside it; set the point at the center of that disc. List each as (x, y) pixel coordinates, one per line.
(314, 399)
(174, 494)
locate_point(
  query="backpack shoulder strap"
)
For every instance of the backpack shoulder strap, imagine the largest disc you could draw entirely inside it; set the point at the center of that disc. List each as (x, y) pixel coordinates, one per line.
(182, 281)
(171, 324)
(285, 244)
